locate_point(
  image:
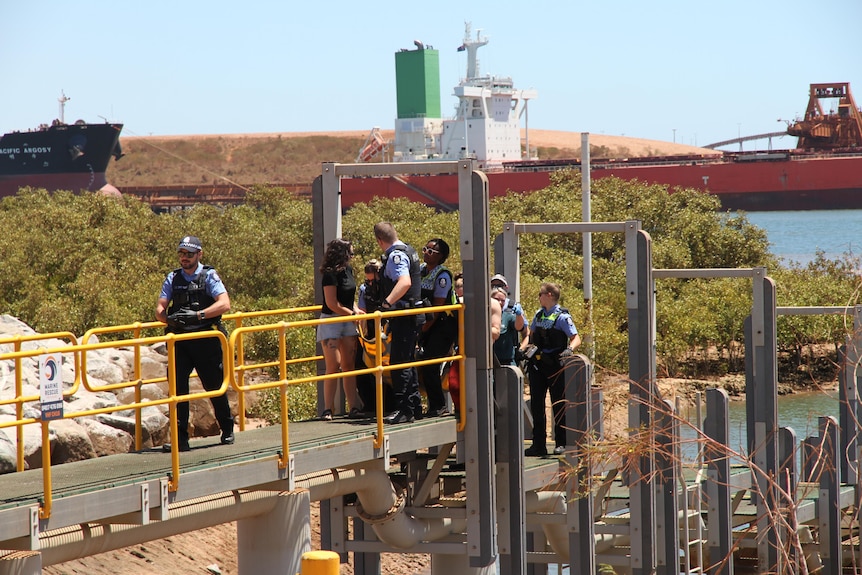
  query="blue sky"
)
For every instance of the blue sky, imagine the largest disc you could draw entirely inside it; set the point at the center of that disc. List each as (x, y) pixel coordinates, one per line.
(696, 72)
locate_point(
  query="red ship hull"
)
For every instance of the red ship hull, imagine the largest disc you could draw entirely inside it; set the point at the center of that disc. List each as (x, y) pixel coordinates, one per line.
(783, 180)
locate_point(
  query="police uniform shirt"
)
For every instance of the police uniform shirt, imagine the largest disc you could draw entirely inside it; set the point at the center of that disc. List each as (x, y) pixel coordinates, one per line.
(442, 283)
(562, 322)
(213, 283)
(397, 262)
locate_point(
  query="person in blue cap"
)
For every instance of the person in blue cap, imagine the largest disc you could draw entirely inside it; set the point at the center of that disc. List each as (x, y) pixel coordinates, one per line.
(193, 298)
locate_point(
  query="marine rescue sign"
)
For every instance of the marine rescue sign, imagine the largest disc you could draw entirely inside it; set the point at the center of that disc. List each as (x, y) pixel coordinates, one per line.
(51, 386)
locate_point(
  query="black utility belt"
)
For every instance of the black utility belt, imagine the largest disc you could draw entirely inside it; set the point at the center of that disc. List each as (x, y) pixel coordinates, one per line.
(401, 304)
(194, 328)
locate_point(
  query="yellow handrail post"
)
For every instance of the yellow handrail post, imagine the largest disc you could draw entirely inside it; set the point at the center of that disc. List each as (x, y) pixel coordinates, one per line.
(378, 377)
(45, 509)
(282, 393)
(137, 375)
(239, 354)
(174, 480)
(19, 406)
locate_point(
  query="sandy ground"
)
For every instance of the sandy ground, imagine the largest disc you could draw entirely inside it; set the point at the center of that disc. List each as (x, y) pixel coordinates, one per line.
(211, 550)
(543, 138)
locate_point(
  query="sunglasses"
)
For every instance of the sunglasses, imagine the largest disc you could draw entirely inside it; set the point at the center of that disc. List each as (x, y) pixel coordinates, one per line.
(187, 255)
(432, 251)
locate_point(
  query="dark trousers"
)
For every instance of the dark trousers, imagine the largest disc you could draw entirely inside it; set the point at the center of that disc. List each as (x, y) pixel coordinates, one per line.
(435, 343)
(405, 382)
(366, 386)
(204, 356)
(543, 380)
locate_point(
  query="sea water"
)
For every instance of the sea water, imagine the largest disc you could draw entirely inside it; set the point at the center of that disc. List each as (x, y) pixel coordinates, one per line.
(798, 236)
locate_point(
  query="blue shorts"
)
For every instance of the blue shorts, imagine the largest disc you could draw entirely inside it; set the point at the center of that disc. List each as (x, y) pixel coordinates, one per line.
(335, 330)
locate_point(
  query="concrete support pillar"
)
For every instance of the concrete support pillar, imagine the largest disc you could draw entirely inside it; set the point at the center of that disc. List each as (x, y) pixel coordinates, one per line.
(457, 565)
(21, 563)
(273, 544)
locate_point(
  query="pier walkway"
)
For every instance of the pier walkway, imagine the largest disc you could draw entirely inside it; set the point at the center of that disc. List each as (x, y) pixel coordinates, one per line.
(460, 488)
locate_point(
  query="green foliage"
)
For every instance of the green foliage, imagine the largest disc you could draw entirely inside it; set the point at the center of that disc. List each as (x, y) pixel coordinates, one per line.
(416, 224)
(79, 261)
(822, 282)
(301, 402)
(697, 320)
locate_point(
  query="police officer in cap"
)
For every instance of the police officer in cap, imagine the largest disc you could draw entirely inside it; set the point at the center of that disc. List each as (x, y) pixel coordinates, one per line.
(555, 336)
(401, 284)
(193, 298)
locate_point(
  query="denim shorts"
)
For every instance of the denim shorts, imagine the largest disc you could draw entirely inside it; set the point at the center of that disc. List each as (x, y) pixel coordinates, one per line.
(335, 330)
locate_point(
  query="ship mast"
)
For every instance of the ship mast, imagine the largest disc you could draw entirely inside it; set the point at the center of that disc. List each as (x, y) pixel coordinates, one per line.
(472, 47)
(63, 99)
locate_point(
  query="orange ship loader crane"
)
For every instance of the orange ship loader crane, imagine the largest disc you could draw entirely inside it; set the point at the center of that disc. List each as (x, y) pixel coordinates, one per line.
(832, 131)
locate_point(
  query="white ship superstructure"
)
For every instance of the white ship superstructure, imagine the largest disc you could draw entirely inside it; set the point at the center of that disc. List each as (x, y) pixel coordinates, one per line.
(486, 126)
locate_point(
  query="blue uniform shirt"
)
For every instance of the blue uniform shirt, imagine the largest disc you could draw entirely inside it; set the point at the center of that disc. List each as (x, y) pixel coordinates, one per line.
(213, 283)
(397, 262)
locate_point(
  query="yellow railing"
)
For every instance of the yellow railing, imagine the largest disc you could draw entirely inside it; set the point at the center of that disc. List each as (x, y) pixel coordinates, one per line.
(20, 399)
(79, 350)
(377, 370)
(236, 366)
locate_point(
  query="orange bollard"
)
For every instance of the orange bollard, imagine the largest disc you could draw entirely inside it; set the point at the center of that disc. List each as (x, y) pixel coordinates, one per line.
(320, 563)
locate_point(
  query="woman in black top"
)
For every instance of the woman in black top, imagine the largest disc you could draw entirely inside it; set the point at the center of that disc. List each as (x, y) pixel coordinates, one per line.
(338, 340)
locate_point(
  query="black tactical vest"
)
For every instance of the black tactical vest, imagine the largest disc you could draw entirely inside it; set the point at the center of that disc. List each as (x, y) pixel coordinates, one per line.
(192, 295)
(414, 294)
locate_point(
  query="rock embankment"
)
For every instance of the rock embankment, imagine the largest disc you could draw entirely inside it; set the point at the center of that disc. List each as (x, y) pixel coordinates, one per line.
(75, 439)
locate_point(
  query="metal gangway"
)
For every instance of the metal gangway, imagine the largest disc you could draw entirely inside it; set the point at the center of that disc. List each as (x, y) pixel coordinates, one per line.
(460, 488)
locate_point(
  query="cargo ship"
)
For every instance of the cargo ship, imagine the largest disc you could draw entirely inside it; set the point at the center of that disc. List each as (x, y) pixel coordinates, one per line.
(824, 171)
(59, 156)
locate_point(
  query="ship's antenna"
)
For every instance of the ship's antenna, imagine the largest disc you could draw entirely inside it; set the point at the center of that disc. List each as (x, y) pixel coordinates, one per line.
(472, 46)
(63, 99)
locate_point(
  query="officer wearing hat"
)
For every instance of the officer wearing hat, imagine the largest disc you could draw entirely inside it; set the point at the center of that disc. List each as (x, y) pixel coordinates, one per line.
(193, 298)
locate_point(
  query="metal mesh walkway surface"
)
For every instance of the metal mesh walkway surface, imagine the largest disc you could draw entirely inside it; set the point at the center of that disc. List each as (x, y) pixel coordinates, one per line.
(98, 489)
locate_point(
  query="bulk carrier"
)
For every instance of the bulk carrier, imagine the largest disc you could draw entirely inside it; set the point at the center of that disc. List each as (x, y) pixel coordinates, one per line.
(824, 171)
(59, 156)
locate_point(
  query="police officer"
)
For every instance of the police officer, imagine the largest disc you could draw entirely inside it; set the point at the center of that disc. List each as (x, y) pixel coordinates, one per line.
(400, 281)
(440, 330)
(193, 298)
(555, 336)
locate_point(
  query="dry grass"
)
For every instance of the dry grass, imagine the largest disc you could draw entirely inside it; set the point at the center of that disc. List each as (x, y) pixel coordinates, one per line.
(295, 158)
